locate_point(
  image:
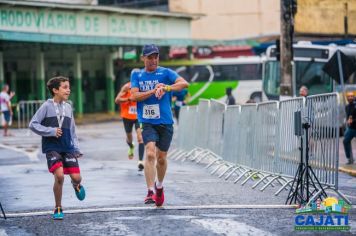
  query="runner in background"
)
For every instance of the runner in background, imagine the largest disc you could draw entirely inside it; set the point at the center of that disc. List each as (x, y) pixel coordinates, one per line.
(179, 99)
(129, 116)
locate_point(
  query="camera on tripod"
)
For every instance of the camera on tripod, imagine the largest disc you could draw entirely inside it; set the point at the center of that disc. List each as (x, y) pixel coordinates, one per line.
(305, 179)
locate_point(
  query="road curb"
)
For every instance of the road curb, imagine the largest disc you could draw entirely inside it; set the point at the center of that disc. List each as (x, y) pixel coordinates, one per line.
(348, 170)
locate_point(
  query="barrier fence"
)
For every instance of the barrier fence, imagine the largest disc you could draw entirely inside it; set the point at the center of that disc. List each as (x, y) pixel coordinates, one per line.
(25, 111)
(258, 141)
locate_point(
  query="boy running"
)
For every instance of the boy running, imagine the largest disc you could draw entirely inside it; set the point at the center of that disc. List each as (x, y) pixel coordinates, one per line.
(54, 121)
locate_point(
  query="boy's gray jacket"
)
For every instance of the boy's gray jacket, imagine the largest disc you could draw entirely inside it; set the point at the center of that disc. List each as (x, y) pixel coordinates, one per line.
(45, 123)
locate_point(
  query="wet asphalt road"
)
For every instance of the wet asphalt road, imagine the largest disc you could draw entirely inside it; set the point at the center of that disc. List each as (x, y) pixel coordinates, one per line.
(111, 180)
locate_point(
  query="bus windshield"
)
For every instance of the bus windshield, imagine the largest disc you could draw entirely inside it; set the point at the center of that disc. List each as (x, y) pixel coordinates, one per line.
(307, 73)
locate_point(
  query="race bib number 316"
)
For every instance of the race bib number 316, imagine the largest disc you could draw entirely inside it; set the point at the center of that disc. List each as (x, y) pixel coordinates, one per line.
(151, 111)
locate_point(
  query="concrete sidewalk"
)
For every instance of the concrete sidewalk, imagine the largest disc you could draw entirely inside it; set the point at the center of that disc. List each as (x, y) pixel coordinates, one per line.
(349, 169)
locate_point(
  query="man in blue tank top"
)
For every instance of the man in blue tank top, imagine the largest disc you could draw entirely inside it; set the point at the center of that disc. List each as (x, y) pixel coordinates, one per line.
(151, 87)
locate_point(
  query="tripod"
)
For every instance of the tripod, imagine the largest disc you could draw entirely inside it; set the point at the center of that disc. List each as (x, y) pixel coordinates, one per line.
(305, 176)
(3, 212)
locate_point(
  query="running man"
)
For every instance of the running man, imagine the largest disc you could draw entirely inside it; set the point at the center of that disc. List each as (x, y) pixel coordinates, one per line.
(129, 117)
(151, 87)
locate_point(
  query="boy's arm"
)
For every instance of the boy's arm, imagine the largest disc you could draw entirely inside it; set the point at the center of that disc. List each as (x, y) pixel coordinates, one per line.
(74, 136)
(35, 123)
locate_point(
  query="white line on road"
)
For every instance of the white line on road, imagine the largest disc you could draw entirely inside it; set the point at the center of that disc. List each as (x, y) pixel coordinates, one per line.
(31, 155)
(229, 227)
(3, 232)
(109, 209)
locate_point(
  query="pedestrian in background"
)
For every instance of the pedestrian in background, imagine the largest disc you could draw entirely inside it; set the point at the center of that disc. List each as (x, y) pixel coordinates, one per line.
(128, 111)
(54, 121)
(151, 87)
(303, 91)
(230, 100)
(350, 132)
(179, 99)
(6, 110)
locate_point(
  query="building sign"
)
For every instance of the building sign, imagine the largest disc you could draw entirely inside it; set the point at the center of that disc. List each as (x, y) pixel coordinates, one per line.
(90, 23)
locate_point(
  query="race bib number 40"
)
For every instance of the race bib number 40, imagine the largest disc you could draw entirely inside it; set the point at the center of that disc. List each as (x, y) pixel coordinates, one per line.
(151, 111)
(132, 110)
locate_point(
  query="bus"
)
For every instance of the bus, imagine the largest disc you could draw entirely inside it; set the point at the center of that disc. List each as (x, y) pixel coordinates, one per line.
(308, 62)
(209, 78)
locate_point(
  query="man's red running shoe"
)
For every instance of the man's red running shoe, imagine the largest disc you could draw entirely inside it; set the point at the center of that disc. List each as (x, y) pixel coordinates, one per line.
(159, 196)
(149, 197)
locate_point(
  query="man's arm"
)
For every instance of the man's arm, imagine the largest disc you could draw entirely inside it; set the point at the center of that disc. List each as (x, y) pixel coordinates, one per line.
(178, 85)
(138, 96)
(8, 104)
(122, 92)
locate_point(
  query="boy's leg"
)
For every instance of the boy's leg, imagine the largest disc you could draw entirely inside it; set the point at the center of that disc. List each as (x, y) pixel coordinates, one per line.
(76, 179)
(58, 185)
(71, 167)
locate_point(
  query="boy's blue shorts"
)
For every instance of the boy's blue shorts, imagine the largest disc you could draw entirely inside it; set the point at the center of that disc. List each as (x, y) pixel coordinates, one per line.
(160, 134)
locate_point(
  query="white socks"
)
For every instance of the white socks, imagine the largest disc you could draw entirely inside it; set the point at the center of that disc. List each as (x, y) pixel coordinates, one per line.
(159, 184)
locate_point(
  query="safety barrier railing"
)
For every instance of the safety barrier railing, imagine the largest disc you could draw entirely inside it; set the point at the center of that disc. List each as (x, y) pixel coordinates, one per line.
(258, 141)
(25, 111)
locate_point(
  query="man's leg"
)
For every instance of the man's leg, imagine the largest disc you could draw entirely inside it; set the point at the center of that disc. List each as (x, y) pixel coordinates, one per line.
(165, 139)
(150, 169)
(347, 143)
(161, 166)
(5, 128)
(58, 186)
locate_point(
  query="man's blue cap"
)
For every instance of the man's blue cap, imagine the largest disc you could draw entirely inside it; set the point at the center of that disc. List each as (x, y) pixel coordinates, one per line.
(149, 49)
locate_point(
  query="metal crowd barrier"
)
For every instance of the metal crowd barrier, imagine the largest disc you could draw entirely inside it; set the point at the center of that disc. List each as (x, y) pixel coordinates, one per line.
(25, 111)
(258, 141)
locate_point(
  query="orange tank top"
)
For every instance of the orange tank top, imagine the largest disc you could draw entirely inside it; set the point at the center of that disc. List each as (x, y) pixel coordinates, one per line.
(128, 109)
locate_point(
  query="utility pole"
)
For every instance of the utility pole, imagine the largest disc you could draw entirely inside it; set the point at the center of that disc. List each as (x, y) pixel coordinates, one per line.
(288, 10)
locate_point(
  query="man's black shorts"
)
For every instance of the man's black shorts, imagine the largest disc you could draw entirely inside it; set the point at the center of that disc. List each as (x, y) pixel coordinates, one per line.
(160, 134)
(128, 124)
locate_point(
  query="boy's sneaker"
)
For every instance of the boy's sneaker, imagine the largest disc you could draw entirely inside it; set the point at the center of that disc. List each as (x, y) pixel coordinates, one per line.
(149, 197)
(80, 192)
(58, 213)
(140, 166)
(158, 197)
(131, 152)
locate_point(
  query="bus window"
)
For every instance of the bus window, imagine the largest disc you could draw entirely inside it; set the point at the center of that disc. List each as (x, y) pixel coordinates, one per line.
(311, 75)
(237, 72)
(271, 80)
